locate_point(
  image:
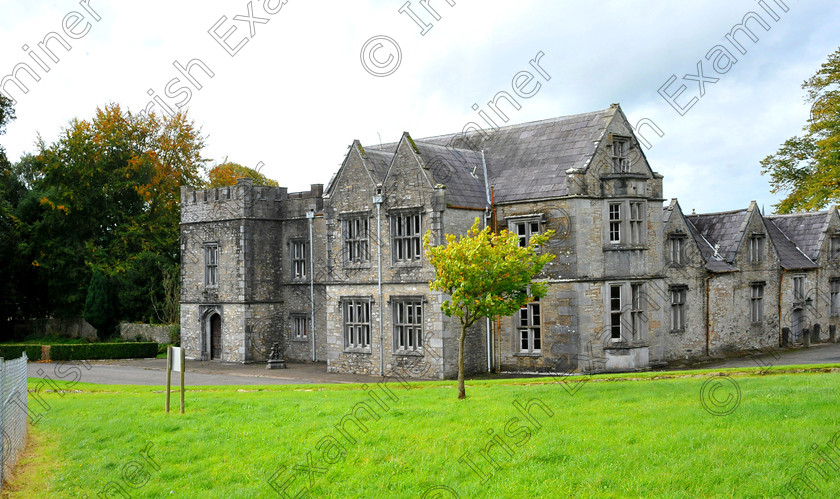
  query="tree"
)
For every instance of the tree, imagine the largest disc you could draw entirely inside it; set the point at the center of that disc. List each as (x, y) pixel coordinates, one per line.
(807, 167)
(485, 274)
(228, 173)
(109, 193)
(99, 307)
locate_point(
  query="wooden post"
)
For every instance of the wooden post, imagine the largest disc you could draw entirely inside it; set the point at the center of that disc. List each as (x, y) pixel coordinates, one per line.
(183, 368)
(168, 375)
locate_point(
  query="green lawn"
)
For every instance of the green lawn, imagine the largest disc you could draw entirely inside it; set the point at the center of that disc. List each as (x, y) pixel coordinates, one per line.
(609, 438)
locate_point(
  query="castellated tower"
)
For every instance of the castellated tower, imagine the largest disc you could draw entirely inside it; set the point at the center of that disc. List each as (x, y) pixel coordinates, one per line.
(246, 272)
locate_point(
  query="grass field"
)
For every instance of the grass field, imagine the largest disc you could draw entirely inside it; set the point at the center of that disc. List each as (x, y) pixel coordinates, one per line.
(605, 438)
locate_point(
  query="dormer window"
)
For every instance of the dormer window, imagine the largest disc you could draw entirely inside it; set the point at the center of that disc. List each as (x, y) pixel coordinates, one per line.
(620, 151)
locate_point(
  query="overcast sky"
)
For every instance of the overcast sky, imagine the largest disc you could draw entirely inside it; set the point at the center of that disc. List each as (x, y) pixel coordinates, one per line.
(290, 89)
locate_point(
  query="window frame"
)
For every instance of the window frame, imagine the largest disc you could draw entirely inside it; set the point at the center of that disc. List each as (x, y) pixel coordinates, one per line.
(637, 310)
(616, 314)
(676, 242)
(834, 296)
(799, 287)
(295, 320)
(211, 265)
(756, 247)
(414, 307)
(411, 244)
(528, 326)
(356, 334)
(620, 154)
(757, 302)
(678, 302)
(296, 259)
(614, 228)
(352, 243)
(637, 222)
(527, 226)
(834, 247)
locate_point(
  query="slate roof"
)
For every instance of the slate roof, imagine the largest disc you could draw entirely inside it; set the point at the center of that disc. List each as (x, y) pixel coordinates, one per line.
(804, 229)
(378, 161)
(454, 168)
(707, 250)
(526, 161)
(722, 229)
(790, 256)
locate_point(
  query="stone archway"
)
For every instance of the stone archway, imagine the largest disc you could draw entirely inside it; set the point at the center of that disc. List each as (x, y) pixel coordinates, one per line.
(214, 326)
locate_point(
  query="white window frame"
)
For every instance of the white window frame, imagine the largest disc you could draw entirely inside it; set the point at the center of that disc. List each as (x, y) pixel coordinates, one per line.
(529, 327)
(406, 237)
(356, 324)
(211, 265)
(637, 310)
(614, 211)
(616, 312)
(524, 229)
(408, 324)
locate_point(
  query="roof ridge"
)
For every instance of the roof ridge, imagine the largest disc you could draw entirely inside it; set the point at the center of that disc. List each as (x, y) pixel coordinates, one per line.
(730, 212)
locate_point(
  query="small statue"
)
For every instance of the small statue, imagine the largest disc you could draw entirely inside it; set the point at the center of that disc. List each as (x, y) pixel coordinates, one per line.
(275, 358)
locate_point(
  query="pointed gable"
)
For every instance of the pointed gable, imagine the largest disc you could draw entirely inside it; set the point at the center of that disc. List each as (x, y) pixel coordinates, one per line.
(806, 230)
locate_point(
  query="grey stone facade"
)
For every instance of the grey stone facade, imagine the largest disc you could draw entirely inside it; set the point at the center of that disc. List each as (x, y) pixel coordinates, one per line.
(631, 286)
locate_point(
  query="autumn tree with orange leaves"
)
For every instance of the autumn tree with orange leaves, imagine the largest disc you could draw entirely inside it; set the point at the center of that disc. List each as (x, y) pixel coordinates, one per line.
(107, 197)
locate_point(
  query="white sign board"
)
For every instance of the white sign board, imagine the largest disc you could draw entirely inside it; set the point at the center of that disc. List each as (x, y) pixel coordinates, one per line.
(176, 359)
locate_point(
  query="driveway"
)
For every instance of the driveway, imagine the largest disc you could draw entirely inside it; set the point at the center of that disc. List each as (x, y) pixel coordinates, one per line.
(203, 373)
(198, 373)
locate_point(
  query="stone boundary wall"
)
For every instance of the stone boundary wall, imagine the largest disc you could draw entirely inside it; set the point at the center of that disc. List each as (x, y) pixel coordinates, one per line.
(71, 328)
(158, 333)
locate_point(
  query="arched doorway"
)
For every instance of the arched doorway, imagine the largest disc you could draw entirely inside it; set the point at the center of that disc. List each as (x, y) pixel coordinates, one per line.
(215, 336)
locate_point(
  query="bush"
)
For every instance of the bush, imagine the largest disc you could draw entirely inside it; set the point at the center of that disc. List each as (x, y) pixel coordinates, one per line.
(10, 352)
(104, 351)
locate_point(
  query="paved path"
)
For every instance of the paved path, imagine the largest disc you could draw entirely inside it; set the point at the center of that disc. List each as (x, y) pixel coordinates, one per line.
(198, 373)
(203, 373)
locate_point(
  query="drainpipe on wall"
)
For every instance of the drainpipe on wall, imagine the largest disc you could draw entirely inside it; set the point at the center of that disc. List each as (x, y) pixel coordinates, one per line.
(708, 314)
(311, 216)
(377, 200)
(487, 218)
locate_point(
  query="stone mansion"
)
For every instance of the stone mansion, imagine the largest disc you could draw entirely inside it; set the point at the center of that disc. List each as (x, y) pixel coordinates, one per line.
(338, 274)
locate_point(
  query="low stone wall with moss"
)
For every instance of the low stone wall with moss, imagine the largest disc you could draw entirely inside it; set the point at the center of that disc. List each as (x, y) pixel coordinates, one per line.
(159, 333)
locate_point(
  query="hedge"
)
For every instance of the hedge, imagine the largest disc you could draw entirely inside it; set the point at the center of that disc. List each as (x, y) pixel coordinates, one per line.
(10, 352)
(130, 350)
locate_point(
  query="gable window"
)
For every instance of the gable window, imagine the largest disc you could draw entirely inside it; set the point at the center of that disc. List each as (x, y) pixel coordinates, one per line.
(834, 248)
(620, 151)
(835, 297)
(356, 240)
(356, 323)
(299, 326)
(408, 325)
(298, 250)
(615, 312)
(524, 230)
(211, 265)
(676, 247)
(405, 238)
(799, 287)
(637, 312)
(615, 223)
(530, 340)
(678, 295)
(756, 302)
(756, 249)
(637, 216)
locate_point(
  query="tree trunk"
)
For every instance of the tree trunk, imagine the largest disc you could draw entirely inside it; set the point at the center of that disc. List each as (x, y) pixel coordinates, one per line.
(462, 394)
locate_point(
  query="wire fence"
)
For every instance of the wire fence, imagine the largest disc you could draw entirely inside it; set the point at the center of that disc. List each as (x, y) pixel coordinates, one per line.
(12, 413)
